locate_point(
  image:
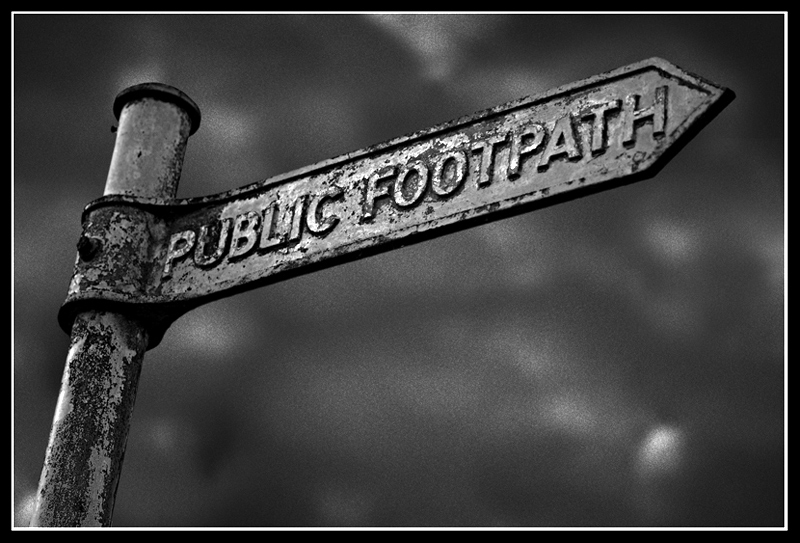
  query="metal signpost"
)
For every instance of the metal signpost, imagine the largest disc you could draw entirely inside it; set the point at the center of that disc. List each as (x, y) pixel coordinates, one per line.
(145, 258)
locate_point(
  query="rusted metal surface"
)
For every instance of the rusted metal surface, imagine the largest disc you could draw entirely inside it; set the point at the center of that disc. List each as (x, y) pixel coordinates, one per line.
(90, 427)
(613, 128)
(98, 388)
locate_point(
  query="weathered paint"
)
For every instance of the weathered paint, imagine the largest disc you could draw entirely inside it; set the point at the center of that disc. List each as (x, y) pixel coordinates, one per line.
(613, 128)
(90, 427)
(155, 122)
(98, 388)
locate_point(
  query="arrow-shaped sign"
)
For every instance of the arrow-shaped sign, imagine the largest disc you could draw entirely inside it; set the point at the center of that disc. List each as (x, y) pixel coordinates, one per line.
(594, 134)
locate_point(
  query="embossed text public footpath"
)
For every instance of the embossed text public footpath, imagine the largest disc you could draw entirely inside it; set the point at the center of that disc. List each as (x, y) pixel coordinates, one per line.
(594, 134)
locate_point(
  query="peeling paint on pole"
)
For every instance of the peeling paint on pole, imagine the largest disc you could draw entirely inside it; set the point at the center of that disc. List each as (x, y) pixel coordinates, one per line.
(151, 140)
(90, 426)
(98, 389)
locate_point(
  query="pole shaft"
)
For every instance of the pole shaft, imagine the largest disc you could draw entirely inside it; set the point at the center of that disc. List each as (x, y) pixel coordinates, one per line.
(90, 427)
(87, 441)
(154, 127)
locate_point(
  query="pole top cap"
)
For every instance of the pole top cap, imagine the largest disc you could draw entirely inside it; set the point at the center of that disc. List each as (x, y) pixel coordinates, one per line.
(159, 91)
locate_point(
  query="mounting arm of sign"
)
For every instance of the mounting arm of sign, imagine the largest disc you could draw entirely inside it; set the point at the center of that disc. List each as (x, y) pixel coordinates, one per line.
(158, 258)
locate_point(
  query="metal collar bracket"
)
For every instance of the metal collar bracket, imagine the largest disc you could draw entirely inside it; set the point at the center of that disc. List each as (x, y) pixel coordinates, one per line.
(118, 258)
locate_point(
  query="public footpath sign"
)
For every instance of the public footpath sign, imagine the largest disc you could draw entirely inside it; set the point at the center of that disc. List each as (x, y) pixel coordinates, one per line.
(613, 128)
(151, 257)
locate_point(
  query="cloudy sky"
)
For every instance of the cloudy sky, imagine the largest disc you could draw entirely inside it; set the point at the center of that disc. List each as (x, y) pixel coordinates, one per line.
(617, 360)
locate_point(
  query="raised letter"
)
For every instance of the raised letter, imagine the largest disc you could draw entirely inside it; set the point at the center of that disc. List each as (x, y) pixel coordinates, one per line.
(179, 245)
(518, 148)
(486, 162)
(315, 223)
(598, 113)
(399, 184)
(631, 114)
(459, 169)
(561, 142)
(297, 219)
(373, 192)
(271, 234)
(200, 256)
(245, 234)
